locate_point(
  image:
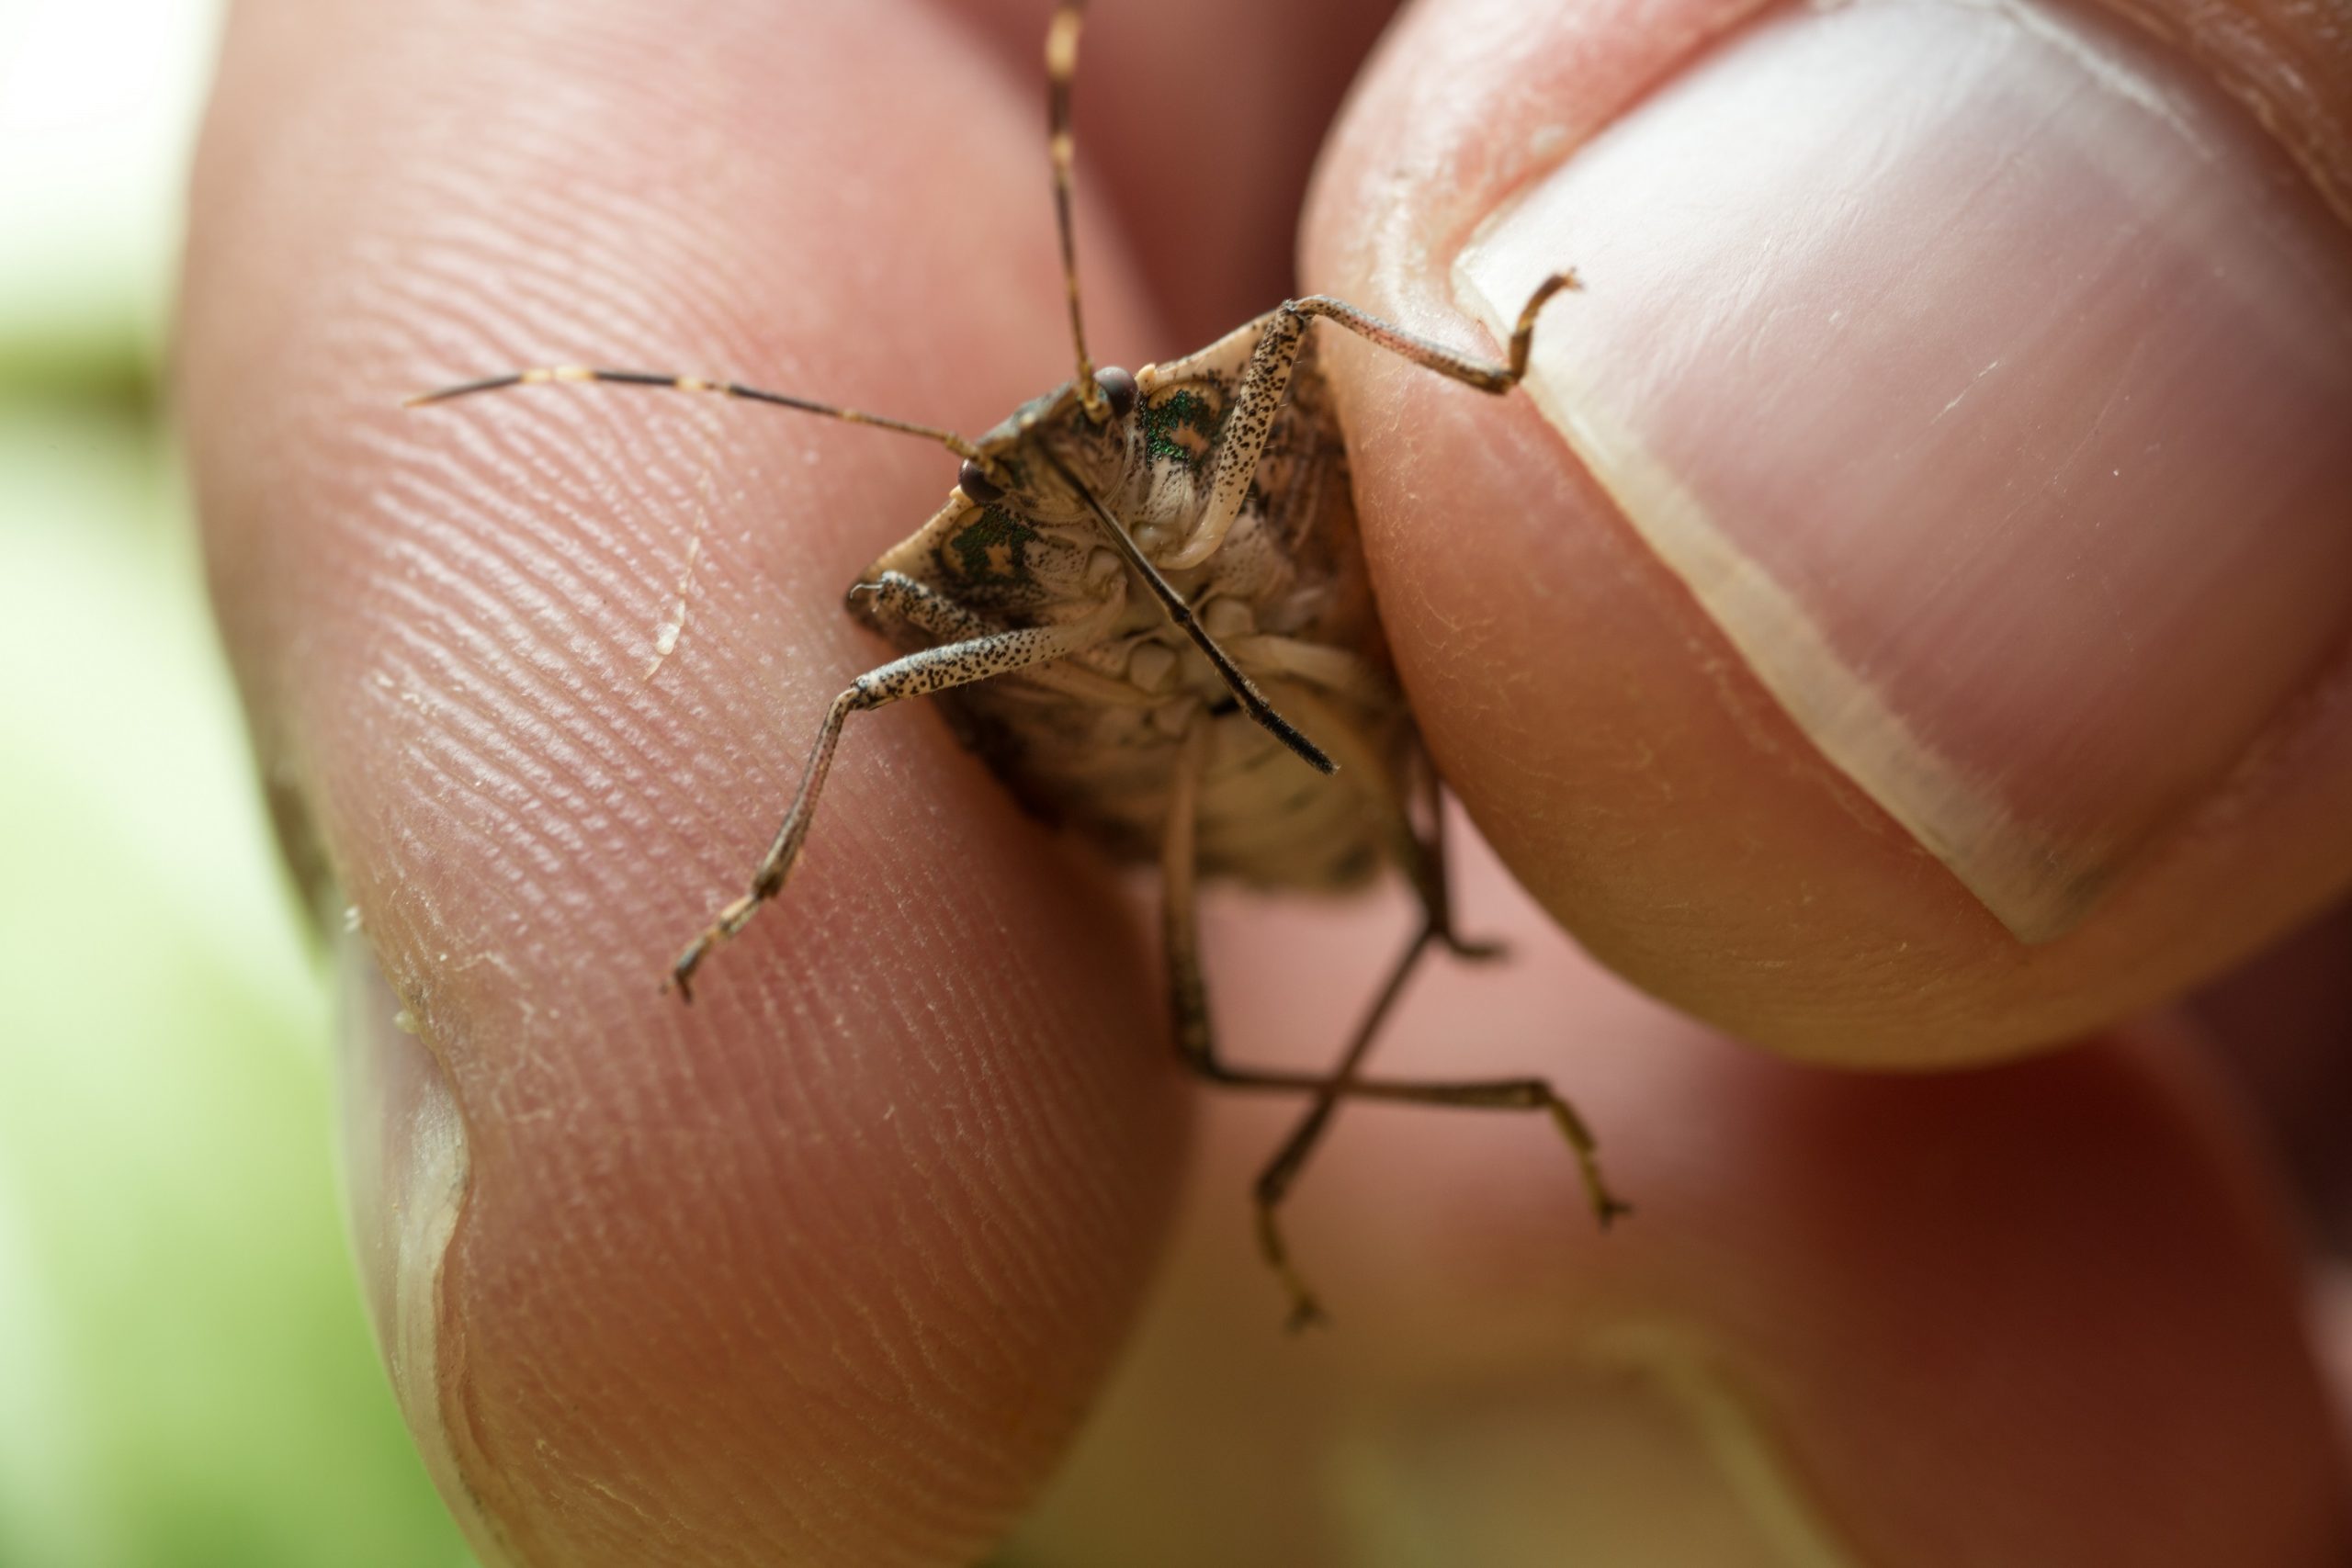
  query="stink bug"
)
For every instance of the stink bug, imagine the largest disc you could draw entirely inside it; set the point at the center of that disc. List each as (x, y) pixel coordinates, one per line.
(1144, 604)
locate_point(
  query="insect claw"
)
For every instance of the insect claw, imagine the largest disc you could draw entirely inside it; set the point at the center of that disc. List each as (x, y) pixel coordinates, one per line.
(1474, 950)
(682, 973)
(1305, 1313)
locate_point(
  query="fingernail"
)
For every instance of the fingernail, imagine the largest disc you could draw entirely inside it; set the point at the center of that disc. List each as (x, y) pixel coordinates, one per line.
(1985, 373)
(1646, 1456)
(404, 1184)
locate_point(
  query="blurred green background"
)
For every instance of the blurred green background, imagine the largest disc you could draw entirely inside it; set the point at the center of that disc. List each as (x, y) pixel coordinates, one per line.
(185, 1375)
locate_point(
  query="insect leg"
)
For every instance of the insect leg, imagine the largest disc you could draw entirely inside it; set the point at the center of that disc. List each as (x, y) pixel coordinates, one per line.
(1188, 992)
(1426, 867)
(1498, 1094)
(917, 675)
(895, 596)
(893, 601)
(1483, 374)
(1265, 383)
(1195, 1038)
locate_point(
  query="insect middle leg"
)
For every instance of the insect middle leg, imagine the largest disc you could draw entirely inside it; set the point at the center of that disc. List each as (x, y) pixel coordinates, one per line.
(1195, 1039)
(919, 674)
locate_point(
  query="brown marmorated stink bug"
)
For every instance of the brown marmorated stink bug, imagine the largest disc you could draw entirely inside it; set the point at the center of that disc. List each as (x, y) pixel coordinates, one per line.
(1135, 581)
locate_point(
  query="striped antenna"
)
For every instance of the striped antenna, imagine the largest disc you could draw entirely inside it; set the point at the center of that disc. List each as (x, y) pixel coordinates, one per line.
(665, 381)
(1061, 65)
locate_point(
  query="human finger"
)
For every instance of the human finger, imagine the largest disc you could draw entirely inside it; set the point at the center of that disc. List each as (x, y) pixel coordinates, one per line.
(1904, 619)
(825, 1267)
(2042, 1312)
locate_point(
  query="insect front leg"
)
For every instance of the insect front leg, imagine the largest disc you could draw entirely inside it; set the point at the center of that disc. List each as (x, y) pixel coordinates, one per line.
(895, 596)
(1266, 382)
(918, 675)
(893, 600)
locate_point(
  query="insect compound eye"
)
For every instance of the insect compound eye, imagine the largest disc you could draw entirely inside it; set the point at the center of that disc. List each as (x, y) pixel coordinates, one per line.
(1119, 387)
(974, 481)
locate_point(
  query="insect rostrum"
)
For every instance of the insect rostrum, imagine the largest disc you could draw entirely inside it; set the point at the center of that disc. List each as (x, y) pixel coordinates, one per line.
(1145, 603)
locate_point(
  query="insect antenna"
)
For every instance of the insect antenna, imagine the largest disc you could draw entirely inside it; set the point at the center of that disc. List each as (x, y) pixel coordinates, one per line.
(664, 380)
(1061, 65)
(1245, 691)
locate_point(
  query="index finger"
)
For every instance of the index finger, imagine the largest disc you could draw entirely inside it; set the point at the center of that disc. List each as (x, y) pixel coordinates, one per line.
(826, 1267)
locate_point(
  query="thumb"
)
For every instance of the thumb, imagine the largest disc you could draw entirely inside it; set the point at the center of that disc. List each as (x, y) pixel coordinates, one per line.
(1910, 602)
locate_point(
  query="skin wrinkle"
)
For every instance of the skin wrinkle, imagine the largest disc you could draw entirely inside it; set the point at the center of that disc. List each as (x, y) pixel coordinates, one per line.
(552, 279)
(619, 579)
(555, 278)
(619, 571)
(490, 828)
(552, 713)
(537, 833)
(546, 581)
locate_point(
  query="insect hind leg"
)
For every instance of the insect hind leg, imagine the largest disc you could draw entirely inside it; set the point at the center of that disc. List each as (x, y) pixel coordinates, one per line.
(1196, 1044)
(1282, 1172)
(1425, 864)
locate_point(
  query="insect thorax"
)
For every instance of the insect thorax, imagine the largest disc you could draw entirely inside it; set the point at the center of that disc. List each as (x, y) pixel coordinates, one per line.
(1089, 742)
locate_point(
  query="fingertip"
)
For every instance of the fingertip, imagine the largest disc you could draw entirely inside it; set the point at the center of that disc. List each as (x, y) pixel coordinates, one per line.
(1843, 682)
(825, 1267)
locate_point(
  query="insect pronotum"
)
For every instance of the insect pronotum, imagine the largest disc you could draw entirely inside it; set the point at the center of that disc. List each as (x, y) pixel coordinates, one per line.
(1135, 584)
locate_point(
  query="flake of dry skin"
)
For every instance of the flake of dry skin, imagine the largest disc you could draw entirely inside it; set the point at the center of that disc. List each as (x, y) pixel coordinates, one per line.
(666, 634)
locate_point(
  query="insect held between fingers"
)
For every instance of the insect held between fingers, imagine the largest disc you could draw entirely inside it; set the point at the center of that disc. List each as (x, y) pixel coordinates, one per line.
(1144, 605)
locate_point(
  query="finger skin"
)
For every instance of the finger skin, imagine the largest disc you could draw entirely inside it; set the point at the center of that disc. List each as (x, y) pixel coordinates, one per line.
(824, 1267)
(2040, 1313)
(2281, 1024)
(1605, 735)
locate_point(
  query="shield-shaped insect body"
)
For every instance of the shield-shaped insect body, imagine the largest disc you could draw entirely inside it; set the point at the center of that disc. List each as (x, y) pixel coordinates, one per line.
(1144, 604)
(1098, 741)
